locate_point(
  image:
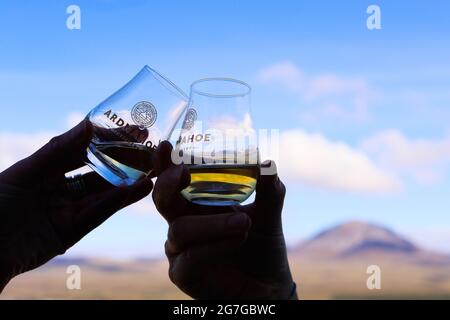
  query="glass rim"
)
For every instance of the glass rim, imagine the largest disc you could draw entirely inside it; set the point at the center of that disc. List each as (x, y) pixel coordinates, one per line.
(167, 80)
(247, 90)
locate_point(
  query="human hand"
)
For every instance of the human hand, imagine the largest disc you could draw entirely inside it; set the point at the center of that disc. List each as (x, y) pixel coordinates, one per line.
(40, 218)
(234, 252)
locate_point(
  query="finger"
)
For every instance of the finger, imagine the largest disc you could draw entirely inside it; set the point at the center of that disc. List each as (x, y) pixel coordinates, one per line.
(200, 209)
(166, 195)
(270, 193)
(86, 184)
(78, 186)
(187, 231)
(214, 251)
(65, 152)
(231, 284)
(62, 154)
(99, 207)
(95, 184)
(129, 133)
(162, 157)
(270, 190)
(187, 268)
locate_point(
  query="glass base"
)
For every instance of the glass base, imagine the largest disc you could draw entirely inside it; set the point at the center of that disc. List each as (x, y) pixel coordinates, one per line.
(214, 202)
(107, 170)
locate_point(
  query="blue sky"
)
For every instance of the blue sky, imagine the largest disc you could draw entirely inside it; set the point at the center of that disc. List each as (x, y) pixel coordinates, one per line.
(315, 69)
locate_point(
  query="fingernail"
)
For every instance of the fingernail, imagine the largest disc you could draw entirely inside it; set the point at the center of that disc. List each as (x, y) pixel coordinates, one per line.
(266, 164)
(152, 174)
(238, 221)
(145, 182)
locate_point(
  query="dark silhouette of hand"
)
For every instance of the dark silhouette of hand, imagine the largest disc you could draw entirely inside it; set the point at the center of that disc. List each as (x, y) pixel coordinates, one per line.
(234, 252)
(40, 218)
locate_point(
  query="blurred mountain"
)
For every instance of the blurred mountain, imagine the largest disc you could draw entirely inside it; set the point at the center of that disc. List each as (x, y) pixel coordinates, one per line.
(360, 240)
(330, 265)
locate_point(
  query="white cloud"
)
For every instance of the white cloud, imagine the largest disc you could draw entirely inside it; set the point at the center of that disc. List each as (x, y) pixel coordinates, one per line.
(328, 96)
(313, 160)
(73, 119)
(330, 84)
(426, 160)
(16, 146)
(435, 237)
(144, 207)
(286, 74)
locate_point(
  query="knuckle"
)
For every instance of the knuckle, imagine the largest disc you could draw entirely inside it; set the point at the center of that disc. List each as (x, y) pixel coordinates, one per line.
(166, 245)
(167, 248)
(54, 143)
(174, 242)
(155, 196)
(160, 199)
(176, 230)
(171, 274)
(170, 237)
(183, 273)
(281, 189)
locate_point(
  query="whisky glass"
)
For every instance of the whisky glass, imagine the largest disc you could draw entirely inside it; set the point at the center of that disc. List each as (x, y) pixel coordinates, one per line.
(129, 125)
(218, 143)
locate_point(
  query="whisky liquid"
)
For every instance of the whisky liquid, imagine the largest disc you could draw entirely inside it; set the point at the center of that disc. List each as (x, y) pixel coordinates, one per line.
(221, 185)
(121, 163)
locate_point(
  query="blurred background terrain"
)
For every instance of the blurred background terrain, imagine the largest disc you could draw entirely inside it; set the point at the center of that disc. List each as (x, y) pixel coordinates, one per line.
(330, 265)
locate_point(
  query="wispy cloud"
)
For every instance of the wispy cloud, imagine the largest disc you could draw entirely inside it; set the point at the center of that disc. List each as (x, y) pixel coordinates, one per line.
(328, 95)
(74, 118)
(16, 146)
(314, 160)
(435, 237)
(426, 160)
(144, 207)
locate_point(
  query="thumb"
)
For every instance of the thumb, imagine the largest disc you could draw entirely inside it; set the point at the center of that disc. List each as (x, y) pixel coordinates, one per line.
(167, 194)
(269, 200)
(67, 151)
(60, 155)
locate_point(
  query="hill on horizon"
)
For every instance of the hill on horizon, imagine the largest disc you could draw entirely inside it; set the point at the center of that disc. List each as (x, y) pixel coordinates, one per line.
(330, 265)
(357, 239)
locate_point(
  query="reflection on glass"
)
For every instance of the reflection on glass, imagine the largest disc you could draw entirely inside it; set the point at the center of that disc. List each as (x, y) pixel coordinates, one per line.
(218, 142)
(129, 125)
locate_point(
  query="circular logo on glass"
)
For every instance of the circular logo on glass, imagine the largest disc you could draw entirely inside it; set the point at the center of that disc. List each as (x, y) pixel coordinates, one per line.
(189, 119)
(144, 114)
